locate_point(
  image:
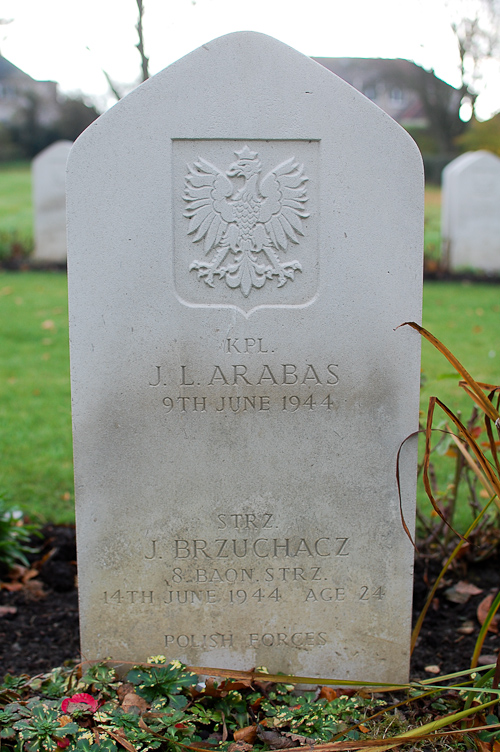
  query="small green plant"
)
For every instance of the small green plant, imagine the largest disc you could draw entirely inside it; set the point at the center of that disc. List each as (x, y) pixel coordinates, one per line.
(15, 247)
(160, 681)
(320, 719)
(256, 711)
(100, 678)
(15, 535)
(41, 730)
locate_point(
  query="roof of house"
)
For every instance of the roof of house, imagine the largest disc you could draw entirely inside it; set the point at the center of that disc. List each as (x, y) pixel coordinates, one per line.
(367, 74)
(9, 70)
(375, 68)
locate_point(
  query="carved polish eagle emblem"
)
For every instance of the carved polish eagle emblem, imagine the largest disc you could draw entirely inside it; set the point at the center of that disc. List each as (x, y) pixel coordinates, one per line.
(244, 228)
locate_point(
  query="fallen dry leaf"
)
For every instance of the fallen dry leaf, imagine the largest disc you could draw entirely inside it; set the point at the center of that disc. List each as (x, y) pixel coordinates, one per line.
(119, 737)
(275, 739)
(239, 747)
(468, 587)
(298, 738)
(34, 589)
(11, 587)
(132, 700)
(23, 578)
(467, 628)
(124, 689)
(486, 659)
(481, 746)
(7, 610)
(246, 734)
(432, 669)
(220, 690)
(328, 693)
(482, 613)
(461, 592)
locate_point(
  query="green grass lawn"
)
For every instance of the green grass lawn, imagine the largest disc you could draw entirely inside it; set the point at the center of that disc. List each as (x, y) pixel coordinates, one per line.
(16, 214)
(432, 223)
(35, 420)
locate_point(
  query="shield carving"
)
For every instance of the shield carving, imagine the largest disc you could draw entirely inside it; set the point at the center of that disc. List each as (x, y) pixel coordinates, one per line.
(245, 223)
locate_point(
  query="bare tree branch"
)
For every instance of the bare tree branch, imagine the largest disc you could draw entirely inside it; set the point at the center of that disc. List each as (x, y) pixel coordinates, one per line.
(140, 44)
(114, 90)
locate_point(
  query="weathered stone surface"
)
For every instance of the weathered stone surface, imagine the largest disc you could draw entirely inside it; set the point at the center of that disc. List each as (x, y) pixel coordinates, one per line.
(238, 407)
(470, 224)
(49, 202)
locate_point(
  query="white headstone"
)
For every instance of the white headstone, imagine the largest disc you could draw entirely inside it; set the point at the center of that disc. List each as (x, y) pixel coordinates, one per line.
(245, 235)
(470, 220)
(49, 202)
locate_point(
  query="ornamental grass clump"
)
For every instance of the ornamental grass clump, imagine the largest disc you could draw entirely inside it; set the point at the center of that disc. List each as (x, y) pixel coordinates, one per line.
(478, 461)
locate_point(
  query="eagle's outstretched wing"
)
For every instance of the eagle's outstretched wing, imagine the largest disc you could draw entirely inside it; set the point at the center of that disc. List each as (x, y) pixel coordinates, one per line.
(283, 207)
(208, 209)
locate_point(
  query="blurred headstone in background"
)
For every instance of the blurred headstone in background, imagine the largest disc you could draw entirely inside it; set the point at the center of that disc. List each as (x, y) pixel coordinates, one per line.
(49, 203)
(470, 215)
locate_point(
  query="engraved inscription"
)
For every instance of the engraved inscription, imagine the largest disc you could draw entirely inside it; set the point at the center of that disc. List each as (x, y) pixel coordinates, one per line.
(244, 345)
(245, 227)
(239, 374)
(245, 561)
(300, 640)
(250, 378)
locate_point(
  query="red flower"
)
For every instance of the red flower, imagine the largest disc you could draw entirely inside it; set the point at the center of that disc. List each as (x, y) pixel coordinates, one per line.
(63, 743)
(80, 701)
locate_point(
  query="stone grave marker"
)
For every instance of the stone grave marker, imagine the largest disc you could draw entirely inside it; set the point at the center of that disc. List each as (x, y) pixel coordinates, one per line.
(470, 223)
(245, 236)
(49, 202)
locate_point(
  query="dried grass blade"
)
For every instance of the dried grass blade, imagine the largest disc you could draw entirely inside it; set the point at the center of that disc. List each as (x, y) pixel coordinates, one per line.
(481, 399)
(473, 465)
(433, 401)
(291, 678)
(365, 744)
(492, 442)
(485, 465)
(483, 631)
(429, 728)
(489, 431)
(398, 481)
(496, 675)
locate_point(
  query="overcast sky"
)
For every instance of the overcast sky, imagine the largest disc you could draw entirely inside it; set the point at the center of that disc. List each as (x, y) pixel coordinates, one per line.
(72, 41)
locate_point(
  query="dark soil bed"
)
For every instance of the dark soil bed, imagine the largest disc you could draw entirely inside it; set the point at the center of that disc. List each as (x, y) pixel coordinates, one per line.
(39, 619)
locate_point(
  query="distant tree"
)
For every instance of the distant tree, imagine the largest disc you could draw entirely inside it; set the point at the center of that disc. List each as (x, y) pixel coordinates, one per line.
(482, 135)
(442, 107)
(27, 131)
(476, 25)
(29, 135)
(74, 118)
